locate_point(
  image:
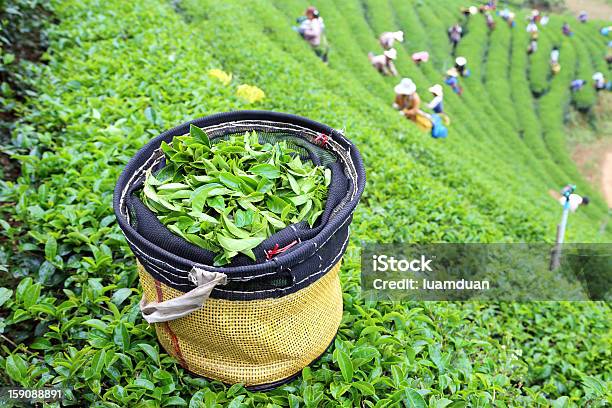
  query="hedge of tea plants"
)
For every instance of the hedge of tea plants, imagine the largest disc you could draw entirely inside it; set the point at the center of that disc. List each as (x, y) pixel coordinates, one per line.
(23, 40)
(119, 73)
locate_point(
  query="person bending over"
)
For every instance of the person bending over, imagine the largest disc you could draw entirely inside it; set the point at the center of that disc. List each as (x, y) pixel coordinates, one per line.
(384, 62)
(407, 100)
(387, 38)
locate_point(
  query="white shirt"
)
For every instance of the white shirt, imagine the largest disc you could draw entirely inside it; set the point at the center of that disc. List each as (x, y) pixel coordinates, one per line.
(554, 56)
(435, 102)
(381, 63)
(574, 202)
(378, 61)
(455, 32)
(387, 39)
(531, 27)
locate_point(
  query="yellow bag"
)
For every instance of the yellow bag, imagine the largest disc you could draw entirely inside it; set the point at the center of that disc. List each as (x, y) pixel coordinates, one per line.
(255, 342)
(423, 122)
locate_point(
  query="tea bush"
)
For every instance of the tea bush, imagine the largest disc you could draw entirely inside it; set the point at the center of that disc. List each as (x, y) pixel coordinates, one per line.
(23, 41)
(121, 72)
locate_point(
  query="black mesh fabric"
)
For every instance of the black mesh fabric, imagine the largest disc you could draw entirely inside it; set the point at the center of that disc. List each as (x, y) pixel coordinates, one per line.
(170, 258)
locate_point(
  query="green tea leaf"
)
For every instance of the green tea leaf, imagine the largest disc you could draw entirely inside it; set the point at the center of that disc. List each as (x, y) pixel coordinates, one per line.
(50, 249)
(150, 351)
(266, 170)
(244, 218)
(364, 388)
(144, 383)
(294, 184)
(96, 323)
(5, 294)
(121, 336)
(233, 229)
(98, 361)
(345, 364)
(199, 135)
(238, 245)
(173, 186)
(276, 204)
(16, 367)
(120, 295)
(413, 399)
(230, 180)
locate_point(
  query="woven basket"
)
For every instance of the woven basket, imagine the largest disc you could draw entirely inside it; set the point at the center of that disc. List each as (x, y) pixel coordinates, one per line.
(260, 322)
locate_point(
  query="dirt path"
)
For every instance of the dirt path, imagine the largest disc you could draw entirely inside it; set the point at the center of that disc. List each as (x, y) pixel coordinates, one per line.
(594, 160)
(596, 9)
(606, 177)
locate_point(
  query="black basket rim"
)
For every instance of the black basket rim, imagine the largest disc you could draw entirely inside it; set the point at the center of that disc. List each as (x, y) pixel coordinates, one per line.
(283, 260)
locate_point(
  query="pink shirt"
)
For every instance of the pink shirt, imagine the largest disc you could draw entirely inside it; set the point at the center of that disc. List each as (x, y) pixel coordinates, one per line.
(313, 29)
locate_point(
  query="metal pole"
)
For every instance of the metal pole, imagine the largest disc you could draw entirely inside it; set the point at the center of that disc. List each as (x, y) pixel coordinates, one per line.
(555, 261)
(563, 222)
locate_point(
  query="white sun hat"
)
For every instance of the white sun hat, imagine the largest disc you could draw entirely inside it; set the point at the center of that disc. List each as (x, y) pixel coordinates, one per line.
(452, 72)
(461, 61)
(436, 90)
(405, 87)
(473, 10)
(399, 36)
(392, 53)
(598, 76)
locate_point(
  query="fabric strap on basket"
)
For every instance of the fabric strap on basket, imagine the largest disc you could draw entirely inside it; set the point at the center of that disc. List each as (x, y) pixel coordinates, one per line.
(172, 309)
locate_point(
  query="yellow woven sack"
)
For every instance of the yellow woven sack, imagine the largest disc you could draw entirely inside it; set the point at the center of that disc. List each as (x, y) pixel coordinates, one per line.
(254, 342)
(423, 122)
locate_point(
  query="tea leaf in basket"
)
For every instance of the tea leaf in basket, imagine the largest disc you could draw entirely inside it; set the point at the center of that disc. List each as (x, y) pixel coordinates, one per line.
(229, 196)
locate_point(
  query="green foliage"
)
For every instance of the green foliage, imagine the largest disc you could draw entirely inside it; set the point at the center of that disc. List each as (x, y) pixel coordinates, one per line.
(539, 68)
(22, 39)
(121, 72)
(230, 196)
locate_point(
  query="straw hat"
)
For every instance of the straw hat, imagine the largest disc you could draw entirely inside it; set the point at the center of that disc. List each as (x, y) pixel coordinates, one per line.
(399, 36)
(452, 72)
(598, 76)
(405, 87)
(461, 61)
(392, 53)
(473, 10)
(436, 90)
